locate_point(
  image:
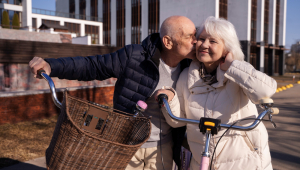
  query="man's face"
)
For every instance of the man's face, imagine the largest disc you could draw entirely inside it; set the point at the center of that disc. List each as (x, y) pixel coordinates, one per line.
(185, 41)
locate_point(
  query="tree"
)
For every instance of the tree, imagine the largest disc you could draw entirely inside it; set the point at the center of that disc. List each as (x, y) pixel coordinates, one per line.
(16, 21)
(5, 20)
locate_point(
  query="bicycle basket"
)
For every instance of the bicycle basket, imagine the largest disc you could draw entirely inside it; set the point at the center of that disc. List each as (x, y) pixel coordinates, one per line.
(111, 145)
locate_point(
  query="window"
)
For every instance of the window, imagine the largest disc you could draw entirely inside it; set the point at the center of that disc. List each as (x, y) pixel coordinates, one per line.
(94, 10)
(266, 22)
(266, 63)
(136, 21)
(153, 16)
(253, 56)
(72, 8)
(223, 9)
(253, 21)
(92, 31)
(82, 5)
(73, 28)
(106, 21)
(50, 22)
(120, 23)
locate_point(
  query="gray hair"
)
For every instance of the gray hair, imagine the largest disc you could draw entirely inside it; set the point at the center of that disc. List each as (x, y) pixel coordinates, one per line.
(223, 29)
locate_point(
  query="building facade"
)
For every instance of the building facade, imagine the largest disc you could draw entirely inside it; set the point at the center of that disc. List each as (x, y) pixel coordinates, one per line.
(260, 24)
(79, 25)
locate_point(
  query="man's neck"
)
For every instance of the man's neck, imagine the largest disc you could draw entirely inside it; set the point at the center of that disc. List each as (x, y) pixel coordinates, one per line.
(169, 59)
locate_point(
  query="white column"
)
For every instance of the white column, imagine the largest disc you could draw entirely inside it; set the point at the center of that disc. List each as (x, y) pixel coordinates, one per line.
(77, 9)
(88, 9)
(272, 21)
(82, 29)
(38, 22)
(26, 14)
(113, 32)
(260, 32)
(260, 20)
(217, 10)
(144, 20)
(101, 34)
(128, 22)
(61, 22)
(282, 22)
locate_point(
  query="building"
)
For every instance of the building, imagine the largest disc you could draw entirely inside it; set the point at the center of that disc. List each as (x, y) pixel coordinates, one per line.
(32, 18)
(260, 24)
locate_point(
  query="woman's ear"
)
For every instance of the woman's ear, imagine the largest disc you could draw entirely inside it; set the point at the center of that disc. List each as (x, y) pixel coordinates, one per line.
(167, 41)
(224, 54)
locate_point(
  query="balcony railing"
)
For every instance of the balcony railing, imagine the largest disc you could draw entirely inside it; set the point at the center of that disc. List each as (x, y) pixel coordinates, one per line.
(65, 15)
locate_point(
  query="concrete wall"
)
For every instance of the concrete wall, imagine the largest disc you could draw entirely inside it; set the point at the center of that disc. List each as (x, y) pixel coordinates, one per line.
(239, 15)
(28, 36)
(86, 40)
(196, 10)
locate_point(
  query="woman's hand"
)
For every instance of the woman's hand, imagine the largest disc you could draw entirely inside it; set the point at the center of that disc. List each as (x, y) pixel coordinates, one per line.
(226, 62)
(169, 93)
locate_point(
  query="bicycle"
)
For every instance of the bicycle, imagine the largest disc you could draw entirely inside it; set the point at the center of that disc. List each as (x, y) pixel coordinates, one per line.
(211, 126)
(93, 136)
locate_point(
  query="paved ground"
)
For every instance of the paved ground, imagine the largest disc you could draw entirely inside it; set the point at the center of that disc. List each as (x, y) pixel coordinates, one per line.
(284, 140)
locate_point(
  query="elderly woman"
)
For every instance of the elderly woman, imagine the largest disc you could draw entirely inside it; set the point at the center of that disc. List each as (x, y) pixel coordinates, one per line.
(219, 84)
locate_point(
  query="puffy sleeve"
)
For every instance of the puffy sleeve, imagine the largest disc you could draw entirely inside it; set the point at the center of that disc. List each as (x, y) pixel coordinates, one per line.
(255, 84)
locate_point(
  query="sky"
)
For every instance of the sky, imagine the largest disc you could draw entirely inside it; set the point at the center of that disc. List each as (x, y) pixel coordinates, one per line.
(292, 18)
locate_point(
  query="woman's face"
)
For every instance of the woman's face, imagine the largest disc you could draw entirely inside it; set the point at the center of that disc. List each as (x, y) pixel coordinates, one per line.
(209, 50)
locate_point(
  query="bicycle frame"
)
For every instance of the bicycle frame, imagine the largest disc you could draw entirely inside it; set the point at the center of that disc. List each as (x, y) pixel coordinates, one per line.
(266, 104)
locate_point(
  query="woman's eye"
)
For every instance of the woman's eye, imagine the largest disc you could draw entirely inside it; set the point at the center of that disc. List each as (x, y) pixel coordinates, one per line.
(201, 39)
(213, 41)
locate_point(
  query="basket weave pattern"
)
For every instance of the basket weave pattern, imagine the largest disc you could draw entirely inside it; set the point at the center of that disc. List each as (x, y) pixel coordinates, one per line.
(72, 147)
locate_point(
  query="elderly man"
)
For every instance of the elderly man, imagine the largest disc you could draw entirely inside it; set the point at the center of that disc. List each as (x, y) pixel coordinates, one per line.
(141, 70)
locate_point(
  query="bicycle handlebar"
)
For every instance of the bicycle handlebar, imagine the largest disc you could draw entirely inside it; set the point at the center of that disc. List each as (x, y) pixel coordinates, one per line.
(163, 101)
(42, 73)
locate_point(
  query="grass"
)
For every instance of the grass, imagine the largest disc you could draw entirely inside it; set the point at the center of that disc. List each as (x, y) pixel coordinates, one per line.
(25, 141)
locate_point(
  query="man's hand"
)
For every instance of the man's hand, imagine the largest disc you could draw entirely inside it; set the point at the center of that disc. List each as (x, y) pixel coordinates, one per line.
(226, 62)
(169, 93)
(38, 63)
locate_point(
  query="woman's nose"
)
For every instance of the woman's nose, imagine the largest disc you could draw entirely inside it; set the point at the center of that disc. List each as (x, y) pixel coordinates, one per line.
(205, 44)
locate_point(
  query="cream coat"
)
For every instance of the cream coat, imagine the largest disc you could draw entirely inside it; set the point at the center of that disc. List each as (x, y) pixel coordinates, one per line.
(232, 98)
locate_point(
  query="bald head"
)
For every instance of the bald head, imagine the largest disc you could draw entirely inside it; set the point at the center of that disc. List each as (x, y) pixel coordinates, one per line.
(174, 26)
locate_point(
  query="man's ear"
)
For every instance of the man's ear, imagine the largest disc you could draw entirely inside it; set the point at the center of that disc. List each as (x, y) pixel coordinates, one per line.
(167, 41)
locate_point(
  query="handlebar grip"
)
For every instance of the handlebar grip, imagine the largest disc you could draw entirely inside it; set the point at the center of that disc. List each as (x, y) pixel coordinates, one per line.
(266, 101)
(40, 71)
(161, 96)
(275, 111)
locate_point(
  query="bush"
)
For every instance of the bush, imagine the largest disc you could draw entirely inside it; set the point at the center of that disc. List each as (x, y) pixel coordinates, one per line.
(16, 21)
(5, 20)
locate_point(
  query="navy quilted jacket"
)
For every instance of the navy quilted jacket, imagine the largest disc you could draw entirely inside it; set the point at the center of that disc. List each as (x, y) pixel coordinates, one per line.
(137, 75)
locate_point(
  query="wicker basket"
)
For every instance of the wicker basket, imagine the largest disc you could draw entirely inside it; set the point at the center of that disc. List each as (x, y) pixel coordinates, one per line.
(109, 145)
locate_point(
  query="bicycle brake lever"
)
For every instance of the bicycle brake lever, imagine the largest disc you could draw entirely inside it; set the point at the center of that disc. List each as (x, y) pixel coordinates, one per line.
(273, 123)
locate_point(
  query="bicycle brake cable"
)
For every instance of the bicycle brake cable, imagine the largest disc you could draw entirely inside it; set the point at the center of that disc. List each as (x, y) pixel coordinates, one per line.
(226, 132)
